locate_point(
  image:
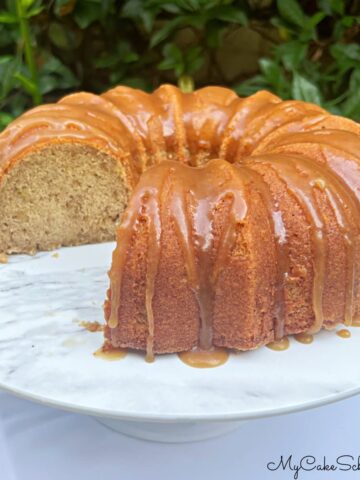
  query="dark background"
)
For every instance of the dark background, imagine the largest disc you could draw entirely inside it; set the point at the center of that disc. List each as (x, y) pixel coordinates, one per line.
(307, 50)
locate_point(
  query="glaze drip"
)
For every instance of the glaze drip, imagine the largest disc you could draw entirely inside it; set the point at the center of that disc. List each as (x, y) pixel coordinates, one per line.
(205, 358)
(154, 229)
(279, 345)
(110, 353)
(144, 207)
(298, 184)
(305, 338)
(281, 247)
(192, 212)
(343, 333)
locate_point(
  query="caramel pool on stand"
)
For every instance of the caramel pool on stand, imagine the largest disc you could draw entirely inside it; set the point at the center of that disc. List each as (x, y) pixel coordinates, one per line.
(92, 326)
(279, 345)
(215, 357)
(344, 333)
(306, 338)
(204, 358)
(110, 354)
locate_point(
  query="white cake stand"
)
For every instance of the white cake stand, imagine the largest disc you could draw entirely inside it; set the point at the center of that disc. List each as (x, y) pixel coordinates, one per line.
(46, 356)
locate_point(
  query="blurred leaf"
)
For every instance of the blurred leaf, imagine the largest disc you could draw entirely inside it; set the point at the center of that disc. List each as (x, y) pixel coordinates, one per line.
(183, 63)
(64, 7)
(171, 8)
(173, 59)
(165, 31)
(8, 35)
(292, 54)
(5, 119)
(251, 85)
(48, 83)
(272, 74)
(28, 85)
(65, 78)
(55, 75)
(136, 82)
(86, 12)
(315, 19)
(332, 6)
(213, 34)
(348, 21)
(62, 37)
(34, 11)
(27, 3)
(19, 103)
(291, 11)
(107, 61)
(194, 60)
(350, 51)
(134, 9)
(5, 59)
(7, 17)
(125, 52)
(107, 7)
(122, 54)
(230, 14)
(351, 107)
(8, 67)
(304, 89)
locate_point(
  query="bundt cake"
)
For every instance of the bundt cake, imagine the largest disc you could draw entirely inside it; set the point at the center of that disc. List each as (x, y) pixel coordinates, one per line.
(259, 240)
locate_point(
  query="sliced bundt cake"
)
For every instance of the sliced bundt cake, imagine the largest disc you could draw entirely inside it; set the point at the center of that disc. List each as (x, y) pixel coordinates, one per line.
(241, 221)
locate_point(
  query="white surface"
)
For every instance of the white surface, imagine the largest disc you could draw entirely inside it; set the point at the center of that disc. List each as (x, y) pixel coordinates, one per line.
(167, 432)
(39, 443)
(44, 354)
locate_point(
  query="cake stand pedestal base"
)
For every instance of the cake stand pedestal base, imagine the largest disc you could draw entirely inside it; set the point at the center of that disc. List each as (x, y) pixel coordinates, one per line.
(170, 432)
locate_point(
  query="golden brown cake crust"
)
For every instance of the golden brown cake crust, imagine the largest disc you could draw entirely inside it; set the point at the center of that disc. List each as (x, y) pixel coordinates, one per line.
(293, 263)
(284, 226)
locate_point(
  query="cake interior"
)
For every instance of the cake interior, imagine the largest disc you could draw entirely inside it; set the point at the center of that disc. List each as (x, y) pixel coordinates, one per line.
(61, 194)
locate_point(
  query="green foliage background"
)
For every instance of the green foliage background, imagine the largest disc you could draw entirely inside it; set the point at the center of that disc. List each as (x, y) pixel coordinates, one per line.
(307, 50)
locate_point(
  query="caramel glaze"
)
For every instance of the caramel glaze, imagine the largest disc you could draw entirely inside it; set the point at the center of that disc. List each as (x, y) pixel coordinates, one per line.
(266, 125)
(147, 201)
(306, 338)
(281, 247)
(279, 345)
(307, 148)
(337, 149)
(110, 353)
(92, 326)
(343, 333)
(196, 194)
(194, 198)
(211, 122)
(301, 177)
(205, 358)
